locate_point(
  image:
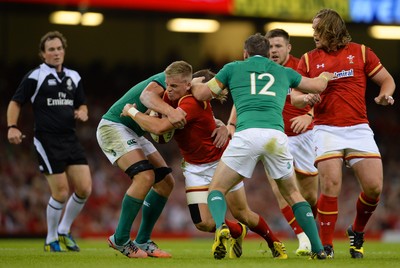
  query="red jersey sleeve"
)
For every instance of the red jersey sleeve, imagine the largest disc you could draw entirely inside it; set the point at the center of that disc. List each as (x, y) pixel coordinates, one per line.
(194, 140)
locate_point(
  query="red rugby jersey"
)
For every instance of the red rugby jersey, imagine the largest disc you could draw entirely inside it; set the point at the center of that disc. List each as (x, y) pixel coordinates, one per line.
(194, 140)
(289, 111)
(343, 101)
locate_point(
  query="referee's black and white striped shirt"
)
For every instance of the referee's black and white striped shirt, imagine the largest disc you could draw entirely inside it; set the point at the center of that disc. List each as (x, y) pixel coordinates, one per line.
(54, 98)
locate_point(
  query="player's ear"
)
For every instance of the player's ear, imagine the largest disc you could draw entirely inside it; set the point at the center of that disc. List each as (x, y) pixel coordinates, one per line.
(245, 54)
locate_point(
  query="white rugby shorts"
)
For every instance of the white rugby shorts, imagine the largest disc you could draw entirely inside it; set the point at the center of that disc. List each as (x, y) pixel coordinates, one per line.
(351, 143)
(116, 140)
(197, 179)
(249, 146)
(302, 148)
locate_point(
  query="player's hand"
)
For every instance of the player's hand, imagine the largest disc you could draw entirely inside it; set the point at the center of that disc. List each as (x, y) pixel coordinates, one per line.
(198, 80)
(81, 115)
(300, 123)
(177, 117)
(311, 99)
(15, 136)
(221, 136)
(328, 76)
(126, 109)
(384, 100)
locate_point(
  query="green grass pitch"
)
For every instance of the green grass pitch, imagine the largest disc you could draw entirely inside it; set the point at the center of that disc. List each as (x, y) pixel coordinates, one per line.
(95, 253)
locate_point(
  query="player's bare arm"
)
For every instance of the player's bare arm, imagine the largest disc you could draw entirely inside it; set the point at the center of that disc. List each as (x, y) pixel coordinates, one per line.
(387, 87)
(301, 100)
(206, 91)
(232, 121)
(149, 123)
(317, 84)
(201, 92)
(220, 134)
(299, 124)
(151, 97)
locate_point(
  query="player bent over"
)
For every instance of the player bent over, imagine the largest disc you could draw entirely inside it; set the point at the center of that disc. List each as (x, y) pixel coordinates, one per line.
(201, 143)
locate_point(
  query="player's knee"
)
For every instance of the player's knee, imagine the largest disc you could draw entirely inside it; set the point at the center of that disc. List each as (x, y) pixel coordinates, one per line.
(167, 184)
(61, 195)
(202, 224)
(241, 215)
(164, 186)
(162, 173)
(196, 218)
(373, 192)
(139, 167)
(311, 198)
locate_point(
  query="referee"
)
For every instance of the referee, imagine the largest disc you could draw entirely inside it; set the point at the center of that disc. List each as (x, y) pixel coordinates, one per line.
(58, 99)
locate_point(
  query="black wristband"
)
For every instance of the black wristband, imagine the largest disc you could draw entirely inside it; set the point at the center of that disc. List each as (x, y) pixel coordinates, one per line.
(232, 124)
(310, 115)
(12, 126)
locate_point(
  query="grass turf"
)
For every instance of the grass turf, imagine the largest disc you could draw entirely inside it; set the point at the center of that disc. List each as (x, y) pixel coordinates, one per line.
(188, 253)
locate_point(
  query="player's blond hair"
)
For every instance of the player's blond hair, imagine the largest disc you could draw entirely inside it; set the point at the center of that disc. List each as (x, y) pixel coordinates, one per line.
(181, 68)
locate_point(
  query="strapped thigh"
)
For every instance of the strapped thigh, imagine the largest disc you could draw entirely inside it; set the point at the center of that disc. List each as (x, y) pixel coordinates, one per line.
(138, 167)
(161, 173)
(195, 213)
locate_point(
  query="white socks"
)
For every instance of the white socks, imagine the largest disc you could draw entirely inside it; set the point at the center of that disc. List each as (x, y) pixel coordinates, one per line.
(53, 214)
(74, 206)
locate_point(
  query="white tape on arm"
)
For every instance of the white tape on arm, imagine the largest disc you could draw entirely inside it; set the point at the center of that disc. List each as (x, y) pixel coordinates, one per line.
(214, 87)
(133, 111)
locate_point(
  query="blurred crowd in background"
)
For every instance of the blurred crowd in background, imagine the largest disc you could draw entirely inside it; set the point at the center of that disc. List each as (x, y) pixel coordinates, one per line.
(24, 193)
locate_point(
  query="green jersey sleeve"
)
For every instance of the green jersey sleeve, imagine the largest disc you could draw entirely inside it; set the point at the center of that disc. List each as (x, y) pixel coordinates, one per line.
(133, 96)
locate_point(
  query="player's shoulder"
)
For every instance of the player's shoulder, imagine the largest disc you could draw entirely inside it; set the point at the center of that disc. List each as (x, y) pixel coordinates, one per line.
(354, 45)
(292, 62)
(355, 48)
(159, 79)
(187, 98)
(160, 75)
(233, 64)
(190, 101)
(312, 52)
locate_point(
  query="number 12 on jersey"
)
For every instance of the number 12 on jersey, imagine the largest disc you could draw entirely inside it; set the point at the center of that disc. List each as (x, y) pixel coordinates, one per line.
(259, 79)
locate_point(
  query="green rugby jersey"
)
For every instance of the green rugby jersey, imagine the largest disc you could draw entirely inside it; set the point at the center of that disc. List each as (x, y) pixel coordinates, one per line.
(258, 87)
(133, 96)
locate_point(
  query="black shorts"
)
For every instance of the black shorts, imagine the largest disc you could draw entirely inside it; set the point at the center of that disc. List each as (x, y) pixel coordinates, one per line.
(56, 152)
